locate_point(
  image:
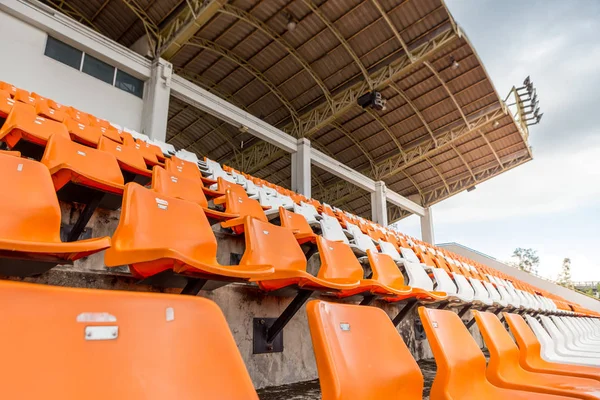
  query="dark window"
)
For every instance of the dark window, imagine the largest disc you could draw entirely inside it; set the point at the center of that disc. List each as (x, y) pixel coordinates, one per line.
(98, 69)
(63, 52)
(129, 84)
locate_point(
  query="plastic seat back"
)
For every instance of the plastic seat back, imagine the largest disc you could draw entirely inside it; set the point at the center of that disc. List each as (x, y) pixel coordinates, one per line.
(180, 187)
(529, 345)
(362, 241)
(308, 211)
(68, 160)
(360, 354)
(6, 103)
(154, 227)
(243, 206)
(268, 244)
(29, 207)
(84, 134)
(181, 167)
(224, 185)
(385, 270)
(332, 230)
(23, 123)
(504, 354)
(460, 363)
(129, 157)
(338, 261)
(389, 249)
(93, 336)
(295, 222)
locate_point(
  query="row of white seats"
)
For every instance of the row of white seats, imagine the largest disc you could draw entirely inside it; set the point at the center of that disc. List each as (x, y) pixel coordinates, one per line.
(570, 340)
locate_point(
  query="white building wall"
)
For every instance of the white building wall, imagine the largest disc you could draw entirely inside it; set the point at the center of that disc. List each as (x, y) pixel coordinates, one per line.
(25, 66)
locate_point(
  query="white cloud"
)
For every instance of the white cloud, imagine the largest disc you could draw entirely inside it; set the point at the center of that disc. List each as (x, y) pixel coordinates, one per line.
(546, 185)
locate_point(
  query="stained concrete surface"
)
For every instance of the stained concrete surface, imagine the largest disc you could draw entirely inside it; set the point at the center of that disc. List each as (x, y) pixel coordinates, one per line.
(310, 390)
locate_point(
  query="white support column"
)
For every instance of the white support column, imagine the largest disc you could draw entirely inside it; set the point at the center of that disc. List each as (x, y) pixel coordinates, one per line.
(379, 204)
(301, 179)
(427, 226)
(156, 100)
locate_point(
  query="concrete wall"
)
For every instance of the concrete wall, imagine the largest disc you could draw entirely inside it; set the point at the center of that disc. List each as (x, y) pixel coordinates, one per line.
(568, 294)
(239, 302)
(25, 65)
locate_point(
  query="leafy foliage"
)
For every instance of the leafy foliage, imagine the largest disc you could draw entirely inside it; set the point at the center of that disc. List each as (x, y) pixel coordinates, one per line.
(526, 260)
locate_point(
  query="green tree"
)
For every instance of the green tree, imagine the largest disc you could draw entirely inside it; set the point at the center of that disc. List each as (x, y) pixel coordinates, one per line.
(526, 260)
(564, 278)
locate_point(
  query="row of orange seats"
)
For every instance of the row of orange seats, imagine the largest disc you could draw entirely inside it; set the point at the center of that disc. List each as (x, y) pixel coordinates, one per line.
(359, 353)
(93, 172)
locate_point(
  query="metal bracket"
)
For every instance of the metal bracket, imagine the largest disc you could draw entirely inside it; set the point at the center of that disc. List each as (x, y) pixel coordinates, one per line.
(84, 217)
(408, 307)
(193, 287)
(268, 332)
(419, 330)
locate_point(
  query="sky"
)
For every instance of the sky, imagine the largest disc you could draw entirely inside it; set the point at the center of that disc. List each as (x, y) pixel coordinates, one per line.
(550, 204)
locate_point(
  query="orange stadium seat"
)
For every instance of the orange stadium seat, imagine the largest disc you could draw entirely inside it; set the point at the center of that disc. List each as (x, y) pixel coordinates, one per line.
(360, 354)
(130, 160)
(388, 281)
(23, 96)
(151, 153)
(30, 241)
(184, 168)
(268, 244)
(49, 109)
(101, 344)
(79, 116)
(158, 233)
(10, 153)
(79, 172)
(530, 353)
(6, 104)
(505, 371)
(24, 131)
(11, 89)
(240, 205)
(298, 224)
(461, 366)
(184, 188)
(84, 134)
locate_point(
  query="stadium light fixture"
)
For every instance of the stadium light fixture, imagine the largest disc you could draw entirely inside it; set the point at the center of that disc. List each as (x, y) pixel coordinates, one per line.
(471, 188)
(496, 124)
(291, 21)
(455, 64)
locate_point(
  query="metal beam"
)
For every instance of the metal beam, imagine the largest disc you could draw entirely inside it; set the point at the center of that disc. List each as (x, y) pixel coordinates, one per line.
(357, 179)
(462, 158)
(439, 78)
(325, 114)
(152, 31)
(412, 105)
(437, 171)
(341, 39)
(224, 52)
(482, 174)
(392, 27)
(492, 149)
(176, 34)
(191, 93)
(276, 37)
(398, 163)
